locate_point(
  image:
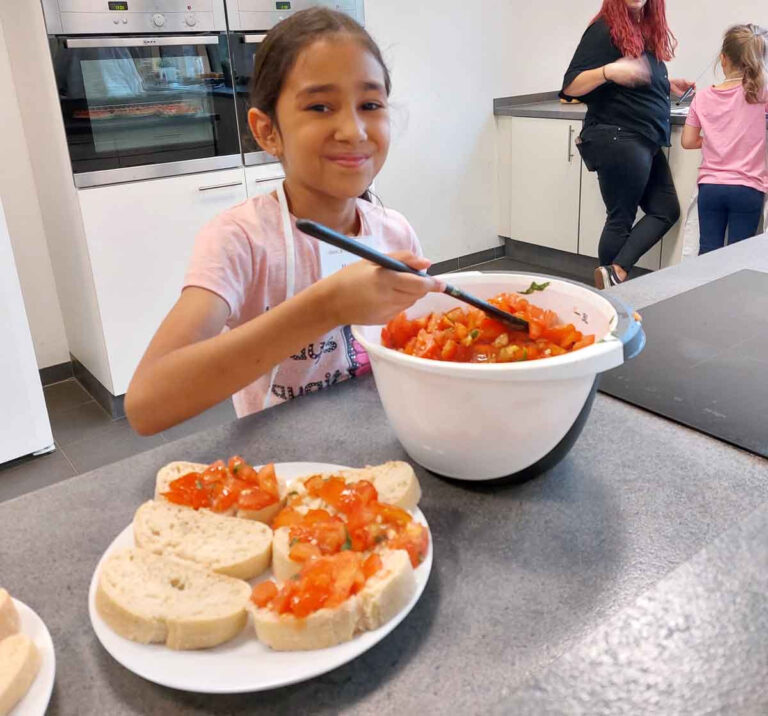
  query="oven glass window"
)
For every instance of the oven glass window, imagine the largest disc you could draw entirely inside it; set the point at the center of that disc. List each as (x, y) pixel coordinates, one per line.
(128, 106)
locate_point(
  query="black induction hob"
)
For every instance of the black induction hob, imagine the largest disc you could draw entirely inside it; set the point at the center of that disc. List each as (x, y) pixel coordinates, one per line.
(706, 361)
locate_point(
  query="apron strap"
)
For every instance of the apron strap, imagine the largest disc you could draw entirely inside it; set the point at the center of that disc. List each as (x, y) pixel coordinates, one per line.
(290, 270)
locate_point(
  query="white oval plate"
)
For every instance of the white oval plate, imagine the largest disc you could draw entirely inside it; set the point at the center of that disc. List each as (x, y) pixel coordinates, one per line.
(244, 664)
(36, 699)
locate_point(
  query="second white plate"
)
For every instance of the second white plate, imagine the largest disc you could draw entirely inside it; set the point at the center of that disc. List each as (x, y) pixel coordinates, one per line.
(36, 700)
(243, 664)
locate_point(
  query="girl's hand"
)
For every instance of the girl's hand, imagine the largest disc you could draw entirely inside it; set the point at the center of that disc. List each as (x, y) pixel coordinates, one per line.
(680, 86)
(629, 71)
(367, 294)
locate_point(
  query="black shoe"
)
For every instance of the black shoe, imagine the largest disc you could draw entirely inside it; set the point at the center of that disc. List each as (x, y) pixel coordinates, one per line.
(606, 276)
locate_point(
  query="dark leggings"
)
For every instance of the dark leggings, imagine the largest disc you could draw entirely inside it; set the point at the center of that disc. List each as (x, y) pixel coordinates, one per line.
(633, 173)
(721, 206)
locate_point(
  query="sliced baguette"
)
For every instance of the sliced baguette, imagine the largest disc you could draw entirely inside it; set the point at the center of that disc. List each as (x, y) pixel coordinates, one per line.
(395, 481)
(148, 598)
(387, 591)
(321, 629)
(236, 548)
(173, 470)
(19, 664)
(283, 567)
(384, 595)
(9, 617)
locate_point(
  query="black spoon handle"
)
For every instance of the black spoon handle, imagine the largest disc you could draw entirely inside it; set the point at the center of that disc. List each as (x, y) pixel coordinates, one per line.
(329, 236)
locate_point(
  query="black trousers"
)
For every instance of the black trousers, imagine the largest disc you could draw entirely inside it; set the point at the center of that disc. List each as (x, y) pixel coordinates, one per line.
(633, 173)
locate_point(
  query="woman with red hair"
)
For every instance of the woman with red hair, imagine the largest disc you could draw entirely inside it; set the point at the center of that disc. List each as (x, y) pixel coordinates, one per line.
(618, 70)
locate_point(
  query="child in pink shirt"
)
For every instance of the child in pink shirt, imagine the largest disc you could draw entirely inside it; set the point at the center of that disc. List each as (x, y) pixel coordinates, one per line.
(733, 177)
(265, 310)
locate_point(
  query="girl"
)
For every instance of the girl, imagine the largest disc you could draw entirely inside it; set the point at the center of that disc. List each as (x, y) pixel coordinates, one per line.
(618, 70)
(319, 94)
(732, 176)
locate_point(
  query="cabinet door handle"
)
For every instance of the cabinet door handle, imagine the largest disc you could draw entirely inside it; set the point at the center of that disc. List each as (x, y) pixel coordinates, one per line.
(263, 181)
(220, 186)
(570, 142)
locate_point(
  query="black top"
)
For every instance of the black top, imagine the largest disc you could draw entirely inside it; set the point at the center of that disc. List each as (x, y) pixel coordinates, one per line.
(640, 109)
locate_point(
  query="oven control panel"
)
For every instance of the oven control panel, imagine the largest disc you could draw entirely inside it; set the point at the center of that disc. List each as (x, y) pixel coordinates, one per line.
(261, 15)
(91, 17)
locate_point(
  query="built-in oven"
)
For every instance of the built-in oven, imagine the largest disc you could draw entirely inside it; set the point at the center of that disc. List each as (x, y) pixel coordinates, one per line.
(145, 86)
(249, 21)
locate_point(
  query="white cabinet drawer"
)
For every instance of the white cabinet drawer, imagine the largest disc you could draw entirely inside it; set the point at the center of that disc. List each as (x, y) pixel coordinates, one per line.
(140, 237)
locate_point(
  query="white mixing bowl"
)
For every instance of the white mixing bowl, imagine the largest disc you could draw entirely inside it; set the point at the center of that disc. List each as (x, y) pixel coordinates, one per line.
(503, 421)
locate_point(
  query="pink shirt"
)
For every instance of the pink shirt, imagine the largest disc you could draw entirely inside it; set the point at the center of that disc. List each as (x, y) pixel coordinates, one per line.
(240, 256)
(733, 151)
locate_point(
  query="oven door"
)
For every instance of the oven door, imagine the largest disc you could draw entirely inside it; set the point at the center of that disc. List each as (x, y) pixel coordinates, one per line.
(243, 47)
(143, 107)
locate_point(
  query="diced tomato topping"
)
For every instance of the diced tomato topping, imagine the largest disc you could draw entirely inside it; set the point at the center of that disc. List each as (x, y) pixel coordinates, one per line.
(323, 582)
(223, 485)
(263, 593)
(371, 565)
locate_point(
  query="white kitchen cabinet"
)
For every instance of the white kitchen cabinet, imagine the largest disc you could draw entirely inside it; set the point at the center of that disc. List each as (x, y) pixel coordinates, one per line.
(263, 178)
(684, 164)
(543, 171)
(592, 220)
(504, 130)
(140, 236)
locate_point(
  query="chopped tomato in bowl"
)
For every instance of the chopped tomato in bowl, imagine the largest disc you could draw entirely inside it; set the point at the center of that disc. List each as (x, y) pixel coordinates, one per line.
(471, 399)
(467, 335)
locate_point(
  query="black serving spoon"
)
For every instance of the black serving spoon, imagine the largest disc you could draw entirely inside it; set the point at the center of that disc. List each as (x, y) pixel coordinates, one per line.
(329, 236)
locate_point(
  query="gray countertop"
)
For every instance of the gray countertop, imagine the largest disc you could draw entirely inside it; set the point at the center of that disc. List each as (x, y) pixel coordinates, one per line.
(547, 106)
(631, 578)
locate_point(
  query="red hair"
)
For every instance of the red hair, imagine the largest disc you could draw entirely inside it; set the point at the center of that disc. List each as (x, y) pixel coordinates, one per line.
(631, 37)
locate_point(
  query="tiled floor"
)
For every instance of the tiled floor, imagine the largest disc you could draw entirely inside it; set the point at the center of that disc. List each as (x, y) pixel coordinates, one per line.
(87, 437)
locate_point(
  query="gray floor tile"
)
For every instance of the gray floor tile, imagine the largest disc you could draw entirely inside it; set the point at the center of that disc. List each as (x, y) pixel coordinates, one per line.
(508, 264)
(33, 473)
(65, 395)
(74, 424)
(108, 444)
(219, 414)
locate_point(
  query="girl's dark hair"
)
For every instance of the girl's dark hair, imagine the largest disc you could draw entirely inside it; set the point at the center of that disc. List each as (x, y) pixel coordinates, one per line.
(746, 46)
(283, 43)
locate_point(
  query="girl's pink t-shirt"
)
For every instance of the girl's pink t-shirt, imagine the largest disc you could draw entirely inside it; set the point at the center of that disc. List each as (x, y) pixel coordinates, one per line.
(734, 150)
(240, 256)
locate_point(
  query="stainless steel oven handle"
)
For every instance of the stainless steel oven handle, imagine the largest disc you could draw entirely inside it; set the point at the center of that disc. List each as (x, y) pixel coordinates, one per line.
(220, 186)
(75, 43)
(252, 39)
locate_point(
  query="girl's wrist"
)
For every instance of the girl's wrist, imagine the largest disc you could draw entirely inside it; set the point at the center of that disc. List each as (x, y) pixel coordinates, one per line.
(325, 310)
(605, 73)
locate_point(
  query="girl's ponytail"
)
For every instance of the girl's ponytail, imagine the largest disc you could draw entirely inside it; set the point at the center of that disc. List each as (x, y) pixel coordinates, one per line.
(746, 46)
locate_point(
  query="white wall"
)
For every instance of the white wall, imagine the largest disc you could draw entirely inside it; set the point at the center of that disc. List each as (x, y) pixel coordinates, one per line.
(449, 59)
(25, 225)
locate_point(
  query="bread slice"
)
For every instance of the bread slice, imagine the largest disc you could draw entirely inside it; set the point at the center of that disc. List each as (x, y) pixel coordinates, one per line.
(395, 481)
(283, 567)
(383, 596)
(321, 629)
(148, 598)
(389, 590)
(9, 617)
(227, 545)
(19, 664)
(173, 470)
